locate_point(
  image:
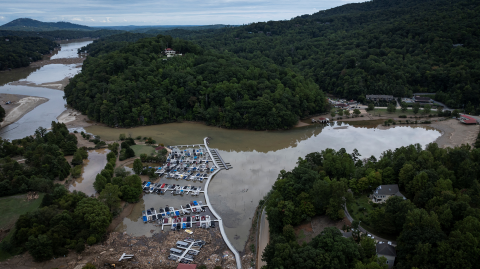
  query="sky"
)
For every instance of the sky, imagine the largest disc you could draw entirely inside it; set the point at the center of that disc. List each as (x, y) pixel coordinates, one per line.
(161, 12)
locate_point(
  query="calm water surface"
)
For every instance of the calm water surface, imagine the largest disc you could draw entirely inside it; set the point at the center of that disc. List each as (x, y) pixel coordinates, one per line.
(97, 159)
(257, 158)
(52, 73)
(70, 49)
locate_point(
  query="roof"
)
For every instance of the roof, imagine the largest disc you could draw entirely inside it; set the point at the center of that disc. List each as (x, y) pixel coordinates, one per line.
(168, 49)
(159, 148)
(379, 96)
(419, 98)
(386, 249)
(387, 189)
(467, 119)
(347, 234)
(186, 266)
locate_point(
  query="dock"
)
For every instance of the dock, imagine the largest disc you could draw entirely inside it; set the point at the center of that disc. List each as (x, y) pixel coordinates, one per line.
(218, 159)
(222, 230)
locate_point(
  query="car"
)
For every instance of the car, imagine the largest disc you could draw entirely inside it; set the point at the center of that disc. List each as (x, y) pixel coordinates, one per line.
(212, 224)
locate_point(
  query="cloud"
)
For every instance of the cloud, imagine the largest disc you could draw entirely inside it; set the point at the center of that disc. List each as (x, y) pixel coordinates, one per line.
(154, 12)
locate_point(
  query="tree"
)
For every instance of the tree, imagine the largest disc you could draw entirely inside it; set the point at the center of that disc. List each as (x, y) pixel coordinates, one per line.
(122, 137)
(110, 195)
(357, 112)
(391, 108)
(371, 107)
(426, 109)
(77, 159)
(347, 112)
(2, 114)
(404, 106)
(440, 111)
(333, 113)
(40, 248)
(416, 108)
(340, 112)
(455, 113)
(94, 214)
(100, 182)
(137, 166)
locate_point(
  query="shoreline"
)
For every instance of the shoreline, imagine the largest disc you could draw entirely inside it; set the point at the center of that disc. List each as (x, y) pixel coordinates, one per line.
(26, 105)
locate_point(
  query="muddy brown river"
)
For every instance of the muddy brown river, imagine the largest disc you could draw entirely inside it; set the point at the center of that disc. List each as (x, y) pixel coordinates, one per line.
(257, 158)
(97, 159)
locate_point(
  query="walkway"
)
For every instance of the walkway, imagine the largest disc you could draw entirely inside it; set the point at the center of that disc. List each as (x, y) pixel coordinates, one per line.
(220, 224)
(263, 239)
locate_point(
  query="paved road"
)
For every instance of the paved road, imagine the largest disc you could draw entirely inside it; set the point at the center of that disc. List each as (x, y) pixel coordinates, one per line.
(378, 238)
(263, 239)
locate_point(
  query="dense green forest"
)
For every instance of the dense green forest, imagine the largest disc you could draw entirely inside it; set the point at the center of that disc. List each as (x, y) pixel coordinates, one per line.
(111, 43)
(20, 51)
(44, 160)
(437, 226)
(378, 47)
(139, 85)
(26, 24)
(61, 34)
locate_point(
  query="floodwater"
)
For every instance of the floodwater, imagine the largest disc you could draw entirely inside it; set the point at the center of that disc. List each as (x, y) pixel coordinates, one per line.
(257, 158)
(70, 49)
(97, 159)
(52, 73)
(42, 115)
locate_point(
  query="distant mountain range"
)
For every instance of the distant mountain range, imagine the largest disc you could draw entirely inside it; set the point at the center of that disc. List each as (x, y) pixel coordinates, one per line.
(26, 24)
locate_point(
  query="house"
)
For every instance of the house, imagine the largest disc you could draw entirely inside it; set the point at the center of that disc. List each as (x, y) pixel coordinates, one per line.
(467, 119)
(380, 97)
(422, 100)
(6, 39)
(323, 120)
(383, 192)
(341, 105)
(169, 51)
(347, 234)
(457, 45)
(388, 251)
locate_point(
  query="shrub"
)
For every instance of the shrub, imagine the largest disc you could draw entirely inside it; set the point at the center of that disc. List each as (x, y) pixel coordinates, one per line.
(89, 266)
(91, 240)
(80, 247)
(75, 131)
(122, 137)
(76, 171)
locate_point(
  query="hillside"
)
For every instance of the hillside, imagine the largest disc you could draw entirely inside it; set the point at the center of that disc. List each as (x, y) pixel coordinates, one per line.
(377, 47)
(61, 34)
(26, 24)
(19, 52)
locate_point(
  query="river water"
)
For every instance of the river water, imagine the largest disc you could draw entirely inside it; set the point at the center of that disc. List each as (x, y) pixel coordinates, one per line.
(257, 158)
(97, 159)
(44, 114)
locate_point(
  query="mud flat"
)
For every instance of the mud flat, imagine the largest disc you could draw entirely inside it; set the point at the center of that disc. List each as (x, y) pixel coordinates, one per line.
(24, 106)
(455, 133)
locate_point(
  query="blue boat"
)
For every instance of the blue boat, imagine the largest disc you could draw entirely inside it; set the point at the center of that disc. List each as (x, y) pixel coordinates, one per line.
(144, 218)
(148, 184)
(184, 226)
(195, 203)
(177, 213)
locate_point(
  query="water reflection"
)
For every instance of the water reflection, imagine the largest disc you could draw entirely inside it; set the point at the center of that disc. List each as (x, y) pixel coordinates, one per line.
(257, 158)
(69, 50)
(52, 72)
(16, 74)
(97, 160)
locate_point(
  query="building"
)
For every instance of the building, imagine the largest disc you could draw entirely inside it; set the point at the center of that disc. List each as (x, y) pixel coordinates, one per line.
(376, 98)
(467, 119)
(169, 51)
(422, 100)
(383, 192)
(347, 234)
(6, 39)
(388, 251)
(341, 105)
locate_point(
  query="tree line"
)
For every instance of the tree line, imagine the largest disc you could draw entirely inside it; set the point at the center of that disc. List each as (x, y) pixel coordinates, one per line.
(21, 51)
(377, 47)
(437, 225)
(137, 85)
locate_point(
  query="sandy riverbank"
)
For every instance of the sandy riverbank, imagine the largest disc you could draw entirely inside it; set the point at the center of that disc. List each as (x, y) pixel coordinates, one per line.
(24, 106)
(74, 119)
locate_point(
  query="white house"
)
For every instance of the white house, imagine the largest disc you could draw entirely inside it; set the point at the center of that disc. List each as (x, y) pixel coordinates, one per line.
(383, 192)
(169, 51)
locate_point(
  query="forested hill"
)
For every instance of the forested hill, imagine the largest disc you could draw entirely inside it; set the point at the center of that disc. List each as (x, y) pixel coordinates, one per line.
(26, 24)
(19, 52)
(112, 43)
(61, 34)
(378, 47)
(138, 85)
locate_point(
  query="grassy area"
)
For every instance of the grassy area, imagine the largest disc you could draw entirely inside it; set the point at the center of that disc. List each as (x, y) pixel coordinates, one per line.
(142, 149)
(12, 207)
(359, 209)
(398, 112)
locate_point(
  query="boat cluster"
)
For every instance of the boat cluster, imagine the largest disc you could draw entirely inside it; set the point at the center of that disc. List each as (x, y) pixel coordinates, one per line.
(175, 189)
(179, 218)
